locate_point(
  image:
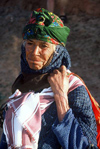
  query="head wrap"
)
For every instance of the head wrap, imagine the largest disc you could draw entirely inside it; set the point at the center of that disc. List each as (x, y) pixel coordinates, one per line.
(46, 26)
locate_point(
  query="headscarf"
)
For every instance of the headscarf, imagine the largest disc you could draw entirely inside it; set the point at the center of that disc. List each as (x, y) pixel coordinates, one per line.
(60, 57)
(46, 26)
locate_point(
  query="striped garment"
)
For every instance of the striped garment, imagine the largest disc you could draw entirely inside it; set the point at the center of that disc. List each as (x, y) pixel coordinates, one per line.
(22, 122)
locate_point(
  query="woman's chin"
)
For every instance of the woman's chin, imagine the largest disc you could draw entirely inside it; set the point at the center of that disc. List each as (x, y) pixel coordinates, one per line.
(35, 67)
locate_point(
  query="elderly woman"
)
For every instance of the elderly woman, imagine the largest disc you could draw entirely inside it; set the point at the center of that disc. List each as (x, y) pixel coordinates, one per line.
(69, 122)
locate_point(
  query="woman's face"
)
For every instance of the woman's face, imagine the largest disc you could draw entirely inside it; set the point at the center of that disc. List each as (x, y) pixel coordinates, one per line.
(38, 53)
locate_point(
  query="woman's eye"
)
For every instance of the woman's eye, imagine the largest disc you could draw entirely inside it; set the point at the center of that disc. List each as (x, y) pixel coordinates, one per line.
(44, 46)
(29, 43)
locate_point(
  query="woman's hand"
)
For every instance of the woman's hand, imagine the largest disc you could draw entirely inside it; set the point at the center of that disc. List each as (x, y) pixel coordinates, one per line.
(59, 82)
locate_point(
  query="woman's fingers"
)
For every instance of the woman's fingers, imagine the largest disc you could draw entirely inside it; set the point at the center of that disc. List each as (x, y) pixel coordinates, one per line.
(63, 69)
(58, 73)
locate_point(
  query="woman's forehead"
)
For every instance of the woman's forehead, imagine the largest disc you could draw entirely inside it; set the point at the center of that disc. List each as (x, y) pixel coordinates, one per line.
(38, 41)
(34, 40)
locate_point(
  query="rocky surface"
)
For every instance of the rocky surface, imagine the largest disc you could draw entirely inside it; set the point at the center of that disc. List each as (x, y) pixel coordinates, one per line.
(83, 43)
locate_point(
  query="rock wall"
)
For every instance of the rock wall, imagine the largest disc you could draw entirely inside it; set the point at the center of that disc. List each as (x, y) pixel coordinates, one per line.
(91, 7)
(88, 6)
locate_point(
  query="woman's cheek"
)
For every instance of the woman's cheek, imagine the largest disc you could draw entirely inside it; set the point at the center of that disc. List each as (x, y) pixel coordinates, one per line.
(26, 55)
(46, 56)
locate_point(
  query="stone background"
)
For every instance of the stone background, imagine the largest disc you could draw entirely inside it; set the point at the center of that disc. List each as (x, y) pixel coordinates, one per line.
(83, 42)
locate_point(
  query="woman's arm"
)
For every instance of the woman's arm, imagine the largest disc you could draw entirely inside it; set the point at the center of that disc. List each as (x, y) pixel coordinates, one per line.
(80, 103)
(69, 132)
(59, 83)
(81, 123)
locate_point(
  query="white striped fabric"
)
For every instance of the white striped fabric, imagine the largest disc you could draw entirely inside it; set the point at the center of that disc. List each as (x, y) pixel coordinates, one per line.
(23, 118)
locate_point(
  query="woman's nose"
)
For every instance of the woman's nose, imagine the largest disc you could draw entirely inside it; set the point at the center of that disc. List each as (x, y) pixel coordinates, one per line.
(36, 50)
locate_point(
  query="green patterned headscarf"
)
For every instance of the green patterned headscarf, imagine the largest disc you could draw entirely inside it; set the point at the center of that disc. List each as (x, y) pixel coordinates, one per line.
(46, 26)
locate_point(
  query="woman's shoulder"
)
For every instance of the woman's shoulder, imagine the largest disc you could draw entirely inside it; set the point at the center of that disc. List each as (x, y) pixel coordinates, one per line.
(79, 92)
(18, 81)
(79, 98)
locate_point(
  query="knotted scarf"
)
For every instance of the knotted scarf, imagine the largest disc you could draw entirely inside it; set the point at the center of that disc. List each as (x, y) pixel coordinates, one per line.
(46, 26)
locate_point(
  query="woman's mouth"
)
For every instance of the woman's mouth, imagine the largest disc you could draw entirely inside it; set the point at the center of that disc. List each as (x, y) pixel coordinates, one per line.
(34, 61)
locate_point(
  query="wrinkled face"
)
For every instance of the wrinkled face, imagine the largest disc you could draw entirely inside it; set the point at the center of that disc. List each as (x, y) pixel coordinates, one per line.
(38, 53)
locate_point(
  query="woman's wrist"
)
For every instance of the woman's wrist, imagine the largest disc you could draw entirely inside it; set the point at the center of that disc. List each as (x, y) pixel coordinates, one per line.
(62, 105)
